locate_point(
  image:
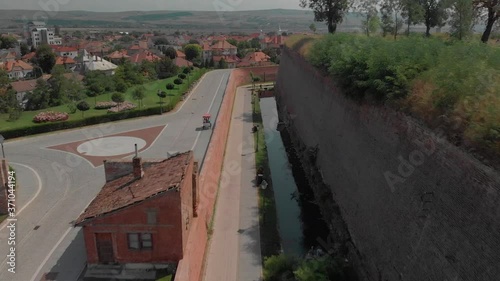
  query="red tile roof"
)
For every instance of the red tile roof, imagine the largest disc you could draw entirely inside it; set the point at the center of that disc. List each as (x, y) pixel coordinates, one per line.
(143, 55)
(24, 86)
(223, 45)
(65, 49)
(64, 60)
(256, 57)
(28, 56)
(118, 54)
(18, 64)
(228, 59)
(180, 54)
(127, 191)
(182, 62)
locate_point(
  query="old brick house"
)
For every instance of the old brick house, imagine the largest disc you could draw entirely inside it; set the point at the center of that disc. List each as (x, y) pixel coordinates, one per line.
(143, 212)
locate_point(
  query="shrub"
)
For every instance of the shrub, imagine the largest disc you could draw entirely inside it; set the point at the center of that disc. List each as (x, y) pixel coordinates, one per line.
(15, 115)
(105, 105)
(118, 97)
(279, 267)
(83, 106)
(178, 81)
(72, 108)
(50, 116)
(182, 76)
(170, 86)
(186, 70)
(122, 107)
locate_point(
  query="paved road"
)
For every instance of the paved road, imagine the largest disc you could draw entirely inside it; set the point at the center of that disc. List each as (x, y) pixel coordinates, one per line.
(234, 251)
(56, 186)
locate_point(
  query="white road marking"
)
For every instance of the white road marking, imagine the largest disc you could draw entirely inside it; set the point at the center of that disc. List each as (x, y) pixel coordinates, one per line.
(210, 108)
(39, 179)
(50, 254)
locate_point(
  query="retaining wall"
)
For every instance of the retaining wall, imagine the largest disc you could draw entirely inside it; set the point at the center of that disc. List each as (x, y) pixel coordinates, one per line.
(415, 206)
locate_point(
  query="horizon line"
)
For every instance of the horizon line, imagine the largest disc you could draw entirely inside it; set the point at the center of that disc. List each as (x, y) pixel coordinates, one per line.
(147, 11)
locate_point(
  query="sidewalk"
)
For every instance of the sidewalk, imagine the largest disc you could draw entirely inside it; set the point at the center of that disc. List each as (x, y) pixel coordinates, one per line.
(234, 251)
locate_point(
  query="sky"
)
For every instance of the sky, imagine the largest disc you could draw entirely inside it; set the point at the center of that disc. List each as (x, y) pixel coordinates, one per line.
(147, 5)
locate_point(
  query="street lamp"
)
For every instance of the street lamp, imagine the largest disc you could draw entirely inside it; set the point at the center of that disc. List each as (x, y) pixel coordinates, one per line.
(2, 139)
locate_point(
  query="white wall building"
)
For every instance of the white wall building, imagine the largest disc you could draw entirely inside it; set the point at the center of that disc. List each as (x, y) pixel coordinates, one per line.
(39, 34)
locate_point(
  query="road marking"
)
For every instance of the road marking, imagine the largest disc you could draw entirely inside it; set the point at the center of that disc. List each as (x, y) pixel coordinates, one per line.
(210, 108)
(190, 94)
(39, 179)
(142, 151)
(50, 254)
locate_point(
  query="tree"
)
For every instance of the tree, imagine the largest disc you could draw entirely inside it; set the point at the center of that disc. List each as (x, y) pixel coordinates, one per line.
(8, 100)
(161, 95)
(492, 8)
(83, 106)
(170, 86)
(462, 18)
(330, 11)
(39, 98)
(392, 25)
(161, 41)
(387, 21)
(193, 41)
(192, 51)
(118, 98)
(138, 94)
(166, 68)
(369, 9)
(170, 52)
(255, 43)
(186, 70)
(45, 58)
(222, 64)
(24, 48)
(7, 42)
(434, 14)
(232, 41)
(312, 27)
(412, 12)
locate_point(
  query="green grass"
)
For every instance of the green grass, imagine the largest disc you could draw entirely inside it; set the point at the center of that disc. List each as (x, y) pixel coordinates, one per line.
(165, 278)
(2, 218)
(151, 100)
(270, 242)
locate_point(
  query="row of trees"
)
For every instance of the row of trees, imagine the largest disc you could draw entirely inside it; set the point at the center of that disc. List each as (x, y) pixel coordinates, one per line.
(460, 14)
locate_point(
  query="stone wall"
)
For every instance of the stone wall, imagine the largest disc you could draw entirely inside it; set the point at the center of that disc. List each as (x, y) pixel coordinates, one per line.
(4, 180)
(415, 207)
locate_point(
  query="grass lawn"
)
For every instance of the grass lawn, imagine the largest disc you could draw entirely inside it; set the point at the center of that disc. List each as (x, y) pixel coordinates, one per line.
(151, 100)
(2, 218)
(165, 278)
(270, 242)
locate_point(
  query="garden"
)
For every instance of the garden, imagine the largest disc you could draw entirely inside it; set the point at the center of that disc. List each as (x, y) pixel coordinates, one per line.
(154, 97)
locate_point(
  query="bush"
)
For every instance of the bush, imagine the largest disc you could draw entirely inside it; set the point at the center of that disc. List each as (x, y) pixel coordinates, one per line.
(118, 97)
(182, 76)
(15, 115)
(105, 105)
(72, 108)
(178, 81)
(186, 70)
(50, 116)
(277, 268)
(122, 107)
(170, 86)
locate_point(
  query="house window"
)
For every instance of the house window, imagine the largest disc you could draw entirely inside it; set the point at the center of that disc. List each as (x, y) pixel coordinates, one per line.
(151, 216)
(140, 241)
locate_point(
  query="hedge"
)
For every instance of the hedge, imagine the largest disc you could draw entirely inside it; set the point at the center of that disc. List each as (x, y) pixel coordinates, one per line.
(70, 124)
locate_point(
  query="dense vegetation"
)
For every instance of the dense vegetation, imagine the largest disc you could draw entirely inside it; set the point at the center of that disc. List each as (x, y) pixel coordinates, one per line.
(452, 81)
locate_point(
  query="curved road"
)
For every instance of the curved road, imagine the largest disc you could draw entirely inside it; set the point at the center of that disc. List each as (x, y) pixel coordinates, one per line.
(56, 186)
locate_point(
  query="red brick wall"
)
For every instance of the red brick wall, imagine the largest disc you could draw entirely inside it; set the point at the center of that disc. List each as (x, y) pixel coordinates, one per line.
(169, 233)
(190, 268)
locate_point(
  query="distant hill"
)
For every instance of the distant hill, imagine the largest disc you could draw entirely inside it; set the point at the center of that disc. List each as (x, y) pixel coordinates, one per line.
(244, 21)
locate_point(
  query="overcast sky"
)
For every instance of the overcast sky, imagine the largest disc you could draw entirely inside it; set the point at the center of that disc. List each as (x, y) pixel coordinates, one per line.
(148, 5)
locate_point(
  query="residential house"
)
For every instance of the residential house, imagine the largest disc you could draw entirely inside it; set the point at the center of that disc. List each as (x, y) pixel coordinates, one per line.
(88, 62)
(64, 51)
(117, 57)
(180, 54)
(206, 54)
(272, 42)
(134, 49)
(22, 88)
(28, 57)
(231, 61)
(143, 213)
(17, 69)
(255, 59)
(143, 55)
(66, 62)
(223, 48)
(6, 56)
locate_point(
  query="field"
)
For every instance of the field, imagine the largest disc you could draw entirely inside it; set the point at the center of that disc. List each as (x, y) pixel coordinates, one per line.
(170, 21)
(151, 100)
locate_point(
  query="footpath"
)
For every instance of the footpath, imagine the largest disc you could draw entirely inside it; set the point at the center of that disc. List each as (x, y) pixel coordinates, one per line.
(234, 252)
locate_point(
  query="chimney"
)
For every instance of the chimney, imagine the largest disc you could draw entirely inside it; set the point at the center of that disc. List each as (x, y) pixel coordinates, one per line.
(137, 165)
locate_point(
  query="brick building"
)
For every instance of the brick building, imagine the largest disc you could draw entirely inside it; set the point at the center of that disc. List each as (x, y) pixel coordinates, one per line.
(143, 212)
